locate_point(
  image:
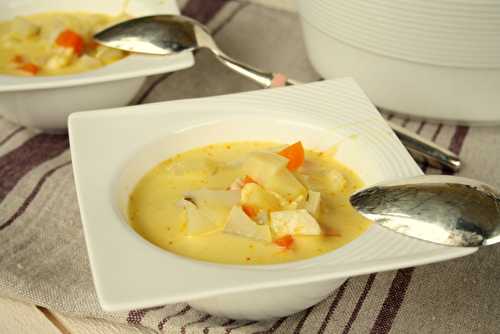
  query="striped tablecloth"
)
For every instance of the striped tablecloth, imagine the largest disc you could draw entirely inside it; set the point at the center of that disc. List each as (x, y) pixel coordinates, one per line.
(43, 257)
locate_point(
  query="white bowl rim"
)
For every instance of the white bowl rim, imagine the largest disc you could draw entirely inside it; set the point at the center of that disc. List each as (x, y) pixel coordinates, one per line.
(104, 74)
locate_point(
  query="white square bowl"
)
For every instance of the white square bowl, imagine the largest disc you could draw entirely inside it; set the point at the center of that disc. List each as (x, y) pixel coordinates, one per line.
(112, 149)
(45, 102)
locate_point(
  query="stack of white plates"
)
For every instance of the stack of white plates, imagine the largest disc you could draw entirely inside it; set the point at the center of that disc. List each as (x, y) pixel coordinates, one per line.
(436, 59)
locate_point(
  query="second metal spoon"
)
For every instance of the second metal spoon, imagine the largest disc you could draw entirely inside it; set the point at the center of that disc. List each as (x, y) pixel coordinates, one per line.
(448, 210)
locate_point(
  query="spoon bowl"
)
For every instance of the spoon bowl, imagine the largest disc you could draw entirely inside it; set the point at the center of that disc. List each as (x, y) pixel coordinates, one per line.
(447, 210)
(158, 35)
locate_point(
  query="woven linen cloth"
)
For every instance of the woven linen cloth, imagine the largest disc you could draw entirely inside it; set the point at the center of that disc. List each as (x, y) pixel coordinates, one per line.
(43, 258)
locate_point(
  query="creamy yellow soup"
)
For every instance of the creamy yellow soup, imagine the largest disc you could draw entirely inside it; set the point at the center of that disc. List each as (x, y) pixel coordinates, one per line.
(155, 213)
(54, 43)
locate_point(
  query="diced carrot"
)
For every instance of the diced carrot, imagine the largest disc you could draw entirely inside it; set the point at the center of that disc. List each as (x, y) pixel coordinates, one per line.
(295, 155)
(29, 67)
(285, 241)
(18, 59)
(251, 212)
(247, 180)
(70, 39)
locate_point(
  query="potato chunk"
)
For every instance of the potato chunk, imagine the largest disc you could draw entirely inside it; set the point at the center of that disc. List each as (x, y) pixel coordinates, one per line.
(285, 184)
(237, 184)
(197, 222)
(255, 196)
(88, 61)
(313, 203)
(264, 165)
(294, 222)
(239, 223)
(269, 170)
(295, 204)
(60, 58)
(214, 204)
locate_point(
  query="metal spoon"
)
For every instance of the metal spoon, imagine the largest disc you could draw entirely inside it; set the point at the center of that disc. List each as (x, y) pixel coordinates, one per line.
(447, 210)
(171, 34)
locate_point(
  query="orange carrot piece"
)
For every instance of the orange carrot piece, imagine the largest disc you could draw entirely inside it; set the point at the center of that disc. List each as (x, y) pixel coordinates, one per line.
(18, 59)
(30, 68)
(248, 179)
(70, 39)
(285, 241)
(251, 212)
(295, 155)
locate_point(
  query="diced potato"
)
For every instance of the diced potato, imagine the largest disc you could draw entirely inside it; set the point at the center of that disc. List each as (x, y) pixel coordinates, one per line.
(260, 166)
(336, 180)
(88, 61)
(237, 184)
(285, 184)
(310, 167)
(256, 196)
(311, 175)
(197, 222)
(269, 170)
(214, 204)
(22, 28)
(303, 178)
(108, 55)
(262, 217)
(294, 222)
(239, 223)
(289, 204)
(60, 58)
(297, 203)
(313, 203)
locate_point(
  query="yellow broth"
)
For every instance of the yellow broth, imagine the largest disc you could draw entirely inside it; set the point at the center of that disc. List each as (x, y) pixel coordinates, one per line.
(34, 40)
(154, 214)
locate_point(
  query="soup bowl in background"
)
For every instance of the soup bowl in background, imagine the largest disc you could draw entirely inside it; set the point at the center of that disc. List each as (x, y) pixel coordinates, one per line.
(438, 60)
(45, 102)
(130, 272)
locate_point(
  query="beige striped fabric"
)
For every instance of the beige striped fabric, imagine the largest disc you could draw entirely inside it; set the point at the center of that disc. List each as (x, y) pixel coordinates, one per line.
(43, 258)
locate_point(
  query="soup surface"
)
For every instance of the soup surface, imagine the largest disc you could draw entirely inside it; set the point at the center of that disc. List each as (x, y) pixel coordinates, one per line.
(247, 203)
(54, 43)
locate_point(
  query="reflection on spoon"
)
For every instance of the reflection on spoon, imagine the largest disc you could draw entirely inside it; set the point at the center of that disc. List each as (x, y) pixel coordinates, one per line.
(447, 210)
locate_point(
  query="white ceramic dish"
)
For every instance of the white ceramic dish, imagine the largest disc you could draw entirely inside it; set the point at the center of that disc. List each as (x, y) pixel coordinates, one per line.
(452, 33)
(46, 102)
(438, 60)
(129, 272)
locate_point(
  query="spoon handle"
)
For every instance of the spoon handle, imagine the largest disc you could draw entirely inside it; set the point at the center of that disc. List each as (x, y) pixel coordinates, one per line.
(264, 79)
(421, 149)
